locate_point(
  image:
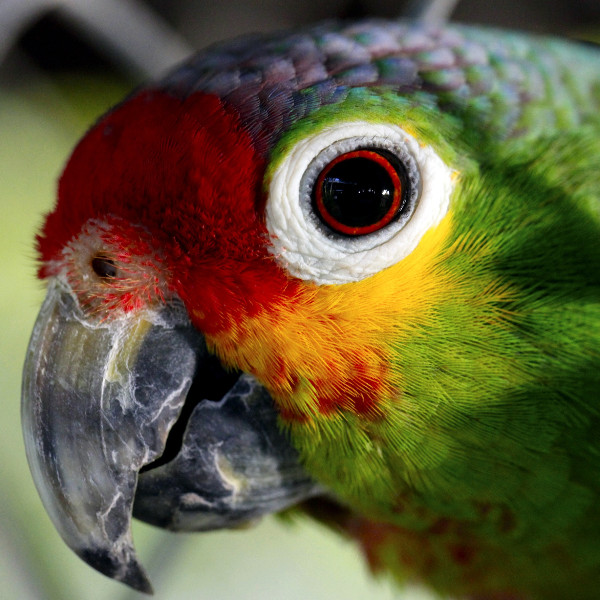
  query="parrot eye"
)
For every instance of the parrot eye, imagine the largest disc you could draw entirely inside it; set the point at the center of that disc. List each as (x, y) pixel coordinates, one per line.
(104, 267)
(360, 192)
(353, 198)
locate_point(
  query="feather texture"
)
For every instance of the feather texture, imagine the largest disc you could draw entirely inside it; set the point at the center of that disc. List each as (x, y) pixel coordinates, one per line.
(449, 401)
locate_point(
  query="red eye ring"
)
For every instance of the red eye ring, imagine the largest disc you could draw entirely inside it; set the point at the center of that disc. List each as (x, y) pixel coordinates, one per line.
(393, 204)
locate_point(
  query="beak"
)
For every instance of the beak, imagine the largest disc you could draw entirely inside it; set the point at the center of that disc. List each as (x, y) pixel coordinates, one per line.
(234, 466)
(99, 400)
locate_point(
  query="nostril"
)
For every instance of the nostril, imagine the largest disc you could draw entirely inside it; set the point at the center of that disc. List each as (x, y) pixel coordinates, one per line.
(211, 382)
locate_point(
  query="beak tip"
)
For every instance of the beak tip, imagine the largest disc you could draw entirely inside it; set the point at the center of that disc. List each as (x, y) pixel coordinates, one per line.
(130, 572)
(139, 581)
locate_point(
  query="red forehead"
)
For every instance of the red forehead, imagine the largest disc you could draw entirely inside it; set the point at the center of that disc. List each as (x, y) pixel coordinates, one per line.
(185, 169)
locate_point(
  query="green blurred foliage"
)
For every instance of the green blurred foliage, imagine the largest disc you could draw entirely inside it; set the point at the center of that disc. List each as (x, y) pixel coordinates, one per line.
(39, 123)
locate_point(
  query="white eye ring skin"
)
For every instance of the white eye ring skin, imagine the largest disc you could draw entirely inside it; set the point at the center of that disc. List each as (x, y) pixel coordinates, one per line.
(308, 249)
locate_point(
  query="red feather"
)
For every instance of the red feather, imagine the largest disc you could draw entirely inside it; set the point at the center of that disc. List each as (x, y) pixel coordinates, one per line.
(188, 170)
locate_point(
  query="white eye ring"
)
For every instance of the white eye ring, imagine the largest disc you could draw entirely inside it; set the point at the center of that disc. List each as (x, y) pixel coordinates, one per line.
(309, 250)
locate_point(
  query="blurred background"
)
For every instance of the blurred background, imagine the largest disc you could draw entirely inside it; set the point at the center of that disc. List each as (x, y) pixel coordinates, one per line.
(62, 64)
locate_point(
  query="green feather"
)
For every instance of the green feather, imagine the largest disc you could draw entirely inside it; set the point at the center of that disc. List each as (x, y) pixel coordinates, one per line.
(501, 438)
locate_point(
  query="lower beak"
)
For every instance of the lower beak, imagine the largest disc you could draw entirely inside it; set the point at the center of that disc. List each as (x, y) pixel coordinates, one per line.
(99, 400)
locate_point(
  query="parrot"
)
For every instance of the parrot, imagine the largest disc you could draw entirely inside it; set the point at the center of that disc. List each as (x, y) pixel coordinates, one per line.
(349, 272)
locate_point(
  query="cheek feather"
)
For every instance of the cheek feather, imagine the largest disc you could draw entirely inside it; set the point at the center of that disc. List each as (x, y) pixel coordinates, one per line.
(319, 349)
(222, 294)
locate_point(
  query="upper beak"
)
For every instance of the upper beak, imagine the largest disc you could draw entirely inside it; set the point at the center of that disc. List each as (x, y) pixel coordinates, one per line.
(99, 399)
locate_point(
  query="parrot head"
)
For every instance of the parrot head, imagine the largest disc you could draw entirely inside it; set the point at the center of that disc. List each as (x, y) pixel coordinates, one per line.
(317, 266)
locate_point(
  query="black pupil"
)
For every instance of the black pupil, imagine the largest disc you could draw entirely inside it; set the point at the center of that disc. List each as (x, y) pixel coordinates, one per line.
(104, 267)
(357, 192)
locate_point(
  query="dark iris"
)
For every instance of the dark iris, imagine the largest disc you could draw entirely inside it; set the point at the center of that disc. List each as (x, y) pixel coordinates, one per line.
(104, 267)
(359, 192)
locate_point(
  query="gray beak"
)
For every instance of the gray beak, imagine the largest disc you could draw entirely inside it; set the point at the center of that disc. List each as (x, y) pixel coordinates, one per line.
(99, 400)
